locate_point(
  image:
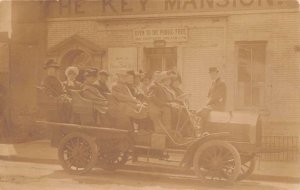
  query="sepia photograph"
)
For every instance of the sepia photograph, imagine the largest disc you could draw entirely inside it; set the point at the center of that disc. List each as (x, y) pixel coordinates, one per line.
(149, 94)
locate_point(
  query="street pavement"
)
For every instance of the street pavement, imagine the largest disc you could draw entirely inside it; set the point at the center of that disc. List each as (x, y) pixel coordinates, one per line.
(41, 152)
(32, 176)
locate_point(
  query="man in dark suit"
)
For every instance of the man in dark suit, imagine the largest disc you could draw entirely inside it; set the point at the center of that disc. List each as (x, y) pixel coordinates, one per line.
(217, 92)
(51, 82)
(55, 89)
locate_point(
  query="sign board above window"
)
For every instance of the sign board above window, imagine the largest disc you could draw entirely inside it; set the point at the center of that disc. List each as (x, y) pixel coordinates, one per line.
(161, 34)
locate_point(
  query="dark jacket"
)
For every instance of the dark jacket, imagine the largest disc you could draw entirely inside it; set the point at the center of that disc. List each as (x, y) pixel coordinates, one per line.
(123, 93)
(89, 91)
(217, 95)
(53, 86)
(160, 96)
(103, 88)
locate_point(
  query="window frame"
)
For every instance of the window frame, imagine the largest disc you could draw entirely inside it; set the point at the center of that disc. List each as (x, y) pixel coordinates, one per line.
(237, 104)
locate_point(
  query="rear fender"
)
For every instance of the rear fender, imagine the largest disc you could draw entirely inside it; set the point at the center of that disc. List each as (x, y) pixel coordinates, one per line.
(191, 149)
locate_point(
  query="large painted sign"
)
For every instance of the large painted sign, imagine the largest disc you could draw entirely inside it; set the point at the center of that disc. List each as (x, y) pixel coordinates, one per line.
(87, 8)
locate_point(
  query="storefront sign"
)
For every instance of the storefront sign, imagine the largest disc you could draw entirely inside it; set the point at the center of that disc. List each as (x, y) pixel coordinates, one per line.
(122, 59)
(83, 8)
(158, 34)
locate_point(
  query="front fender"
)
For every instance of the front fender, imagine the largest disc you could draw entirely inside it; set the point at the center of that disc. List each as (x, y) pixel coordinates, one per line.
(191, 149)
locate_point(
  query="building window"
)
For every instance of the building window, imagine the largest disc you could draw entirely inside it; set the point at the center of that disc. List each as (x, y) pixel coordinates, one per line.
(251, 59)
(160, 59)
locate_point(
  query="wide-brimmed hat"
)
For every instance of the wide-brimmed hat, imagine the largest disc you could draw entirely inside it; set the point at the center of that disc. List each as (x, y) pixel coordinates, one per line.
(51, 63)
(213, 70)
(103, 72)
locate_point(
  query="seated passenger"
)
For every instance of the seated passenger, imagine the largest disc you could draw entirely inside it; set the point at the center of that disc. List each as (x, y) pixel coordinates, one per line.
(71, 83)
(127, 102)
(54, 88)
(90, 91)
(160, 101)
(175, 85)
(101, 83)
(164, 106)
(51, 82)
(145, 84)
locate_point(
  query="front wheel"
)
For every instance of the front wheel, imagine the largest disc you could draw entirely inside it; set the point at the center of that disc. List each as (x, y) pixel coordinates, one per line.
(247, 168)
(217, 161)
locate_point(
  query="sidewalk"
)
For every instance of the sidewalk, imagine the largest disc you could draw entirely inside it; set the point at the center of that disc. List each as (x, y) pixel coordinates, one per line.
(42, 152)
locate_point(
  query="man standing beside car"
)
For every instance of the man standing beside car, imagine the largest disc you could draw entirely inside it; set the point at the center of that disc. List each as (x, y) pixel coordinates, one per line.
(217, 92)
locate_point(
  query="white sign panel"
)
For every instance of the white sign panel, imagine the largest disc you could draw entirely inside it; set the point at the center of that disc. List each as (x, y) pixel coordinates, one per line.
(167, 34)
(122, 58)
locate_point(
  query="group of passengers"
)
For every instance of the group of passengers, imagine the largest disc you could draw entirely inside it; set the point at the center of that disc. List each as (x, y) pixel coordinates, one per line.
(155, 97)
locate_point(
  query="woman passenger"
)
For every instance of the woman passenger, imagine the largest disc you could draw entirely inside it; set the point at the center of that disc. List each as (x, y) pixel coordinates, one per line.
(71, 83)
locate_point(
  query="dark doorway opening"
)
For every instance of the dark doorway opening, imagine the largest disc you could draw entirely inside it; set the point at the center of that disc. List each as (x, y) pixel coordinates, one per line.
(160, 59)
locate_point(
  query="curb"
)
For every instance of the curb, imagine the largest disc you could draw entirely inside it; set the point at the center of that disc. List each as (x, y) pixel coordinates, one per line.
(253, 177)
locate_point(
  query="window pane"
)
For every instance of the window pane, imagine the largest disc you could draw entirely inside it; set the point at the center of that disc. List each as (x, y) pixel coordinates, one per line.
(251, 73)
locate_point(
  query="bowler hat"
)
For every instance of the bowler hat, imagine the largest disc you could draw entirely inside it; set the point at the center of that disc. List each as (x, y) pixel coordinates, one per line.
(51, 63)
(213, 69)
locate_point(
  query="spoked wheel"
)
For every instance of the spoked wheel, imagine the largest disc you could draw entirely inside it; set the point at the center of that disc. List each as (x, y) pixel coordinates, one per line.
(77, 153)
(113, 154)
(217, 162)
(247, 168)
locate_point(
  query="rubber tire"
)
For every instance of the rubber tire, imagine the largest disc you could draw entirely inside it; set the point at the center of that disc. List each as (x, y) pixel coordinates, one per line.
(224, 144)
(251, 169)
(94, 150)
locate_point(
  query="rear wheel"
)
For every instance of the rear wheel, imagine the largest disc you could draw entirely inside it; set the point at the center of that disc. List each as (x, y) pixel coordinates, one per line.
(77, 153)
(217, 162)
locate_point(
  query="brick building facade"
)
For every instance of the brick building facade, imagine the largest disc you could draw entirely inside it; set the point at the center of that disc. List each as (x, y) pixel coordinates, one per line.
(255, 44)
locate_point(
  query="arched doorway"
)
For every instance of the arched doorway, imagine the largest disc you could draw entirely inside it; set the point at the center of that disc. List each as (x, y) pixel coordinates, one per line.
(75, 57)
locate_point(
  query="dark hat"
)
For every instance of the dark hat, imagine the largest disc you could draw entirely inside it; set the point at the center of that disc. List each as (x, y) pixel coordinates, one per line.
(131, 72)
(103, 72)
(51, 63)
(91, 72)
(213, 69)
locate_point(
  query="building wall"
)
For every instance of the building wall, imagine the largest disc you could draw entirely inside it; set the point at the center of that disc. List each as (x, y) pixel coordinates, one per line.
(281, 31)
(211, 42)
